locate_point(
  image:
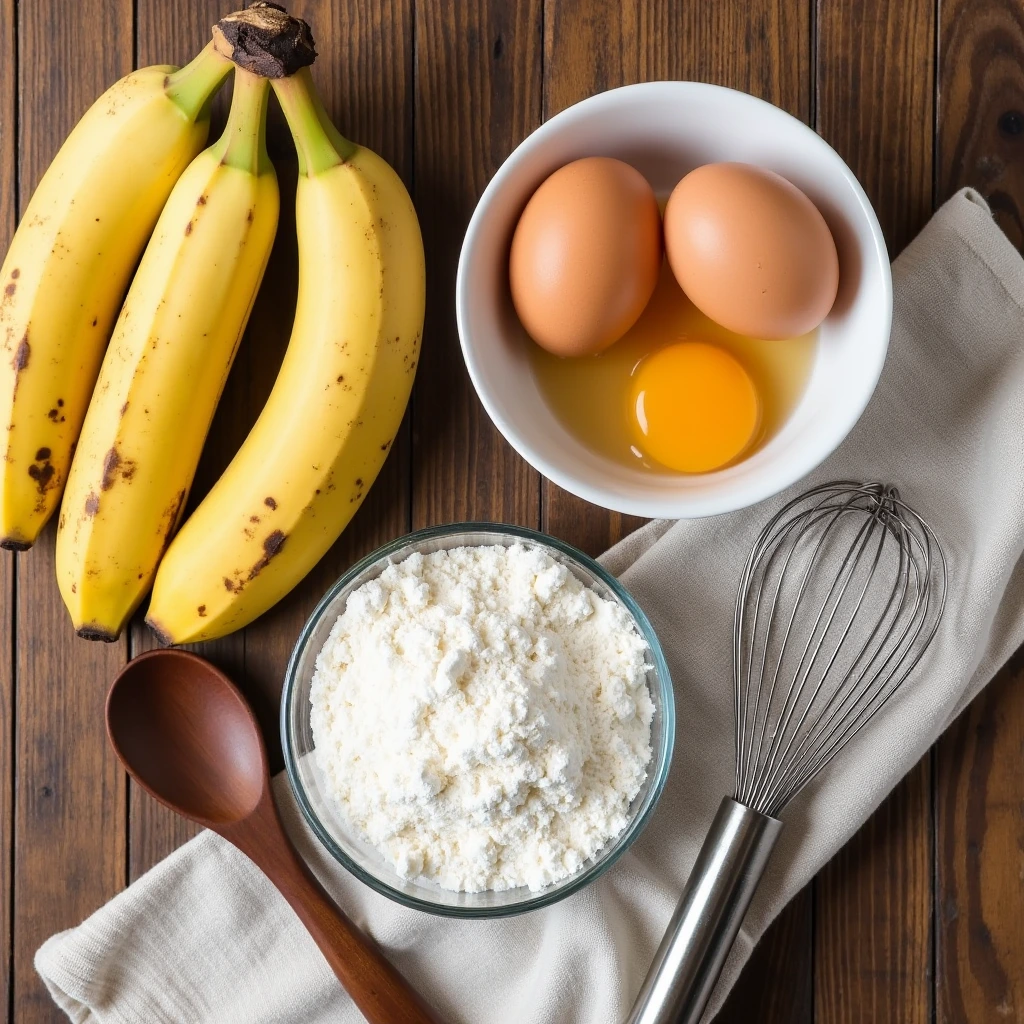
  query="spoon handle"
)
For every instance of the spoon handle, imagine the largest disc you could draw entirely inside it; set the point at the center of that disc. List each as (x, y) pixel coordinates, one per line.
(380, 992)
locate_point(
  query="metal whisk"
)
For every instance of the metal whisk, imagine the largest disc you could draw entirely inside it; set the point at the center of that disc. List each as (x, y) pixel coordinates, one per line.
(840, 597)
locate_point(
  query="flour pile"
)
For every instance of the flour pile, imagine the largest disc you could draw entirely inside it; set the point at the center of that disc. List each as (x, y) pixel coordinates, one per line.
(482, 717)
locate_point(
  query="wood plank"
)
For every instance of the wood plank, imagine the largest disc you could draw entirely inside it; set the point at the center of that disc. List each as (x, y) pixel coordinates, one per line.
(366, 78)
(979, 971)
(981, 108)
(478, 94)
(875, 105)
(8, 216)
(776, 982)
(763, 48)
(70, 791)
(593, 45)
(980, 942)
(873, 923)
(174, 35)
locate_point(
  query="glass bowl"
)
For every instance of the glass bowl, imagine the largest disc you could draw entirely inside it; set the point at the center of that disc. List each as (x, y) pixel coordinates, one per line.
(327, 820)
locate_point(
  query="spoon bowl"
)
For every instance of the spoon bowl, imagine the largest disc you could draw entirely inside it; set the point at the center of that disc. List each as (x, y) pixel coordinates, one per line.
(188, 737)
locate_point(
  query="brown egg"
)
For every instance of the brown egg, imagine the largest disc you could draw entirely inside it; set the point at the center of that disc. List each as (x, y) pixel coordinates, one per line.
(585, 256)
(751, 250)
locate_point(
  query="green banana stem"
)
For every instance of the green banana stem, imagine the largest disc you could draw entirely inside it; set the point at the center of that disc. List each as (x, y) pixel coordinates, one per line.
(192, 87)
(244, 142)
(319, 144)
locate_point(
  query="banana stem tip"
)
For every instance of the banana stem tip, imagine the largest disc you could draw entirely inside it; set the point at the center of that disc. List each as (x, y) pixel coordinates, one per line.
(265, 40)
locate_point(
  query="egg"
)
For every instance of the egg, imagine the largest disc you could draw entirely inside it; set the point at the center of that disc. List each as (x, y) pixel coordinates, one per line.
(585, 256)
(693, 406)
(751, 251)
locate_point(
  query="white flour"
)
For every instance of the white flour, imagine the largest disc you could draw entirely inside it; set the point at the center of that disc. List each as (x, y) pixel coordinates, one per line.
(482, 717)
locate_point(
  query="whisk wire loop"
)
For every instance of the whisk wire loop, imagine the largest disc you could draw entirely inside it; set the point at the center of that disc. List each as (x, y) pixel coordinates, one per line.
(794, 699)
(840, 596)
(770, 542)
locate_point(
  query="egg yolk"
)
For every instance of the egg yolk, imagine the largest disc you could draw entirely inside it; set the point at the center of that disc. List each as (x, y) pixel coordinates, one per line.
(693, 406)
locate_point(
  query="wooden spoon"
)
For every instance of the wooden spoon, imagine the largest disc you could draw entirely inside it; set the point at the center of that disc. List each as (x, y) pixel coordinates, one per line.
(190, 739)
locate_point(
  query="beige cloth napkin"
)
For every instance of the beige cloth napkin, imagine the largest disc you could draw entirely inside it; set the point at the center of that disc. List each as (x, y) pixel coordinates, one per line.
(203, 939)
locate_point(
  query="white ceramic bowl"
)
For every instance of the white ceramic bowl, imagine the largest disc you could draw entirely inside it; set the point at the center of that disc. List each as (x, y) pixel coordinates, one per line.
(665, 129)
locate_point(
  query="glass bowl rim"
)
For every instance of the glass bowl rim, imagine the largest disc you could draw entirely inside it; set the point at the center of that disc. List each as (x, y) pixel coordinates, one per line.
(662, 759)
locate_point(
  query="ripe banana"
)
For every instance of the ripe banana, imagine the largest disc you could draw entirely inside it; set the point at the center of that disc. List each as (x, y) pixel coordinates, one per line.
(69, 264)
(165, 369)
(338, 400)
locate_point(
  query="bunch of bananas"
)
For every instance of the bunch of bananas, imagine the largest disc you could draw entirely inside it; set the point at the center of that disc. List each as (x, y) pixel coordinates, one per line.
(120, 433)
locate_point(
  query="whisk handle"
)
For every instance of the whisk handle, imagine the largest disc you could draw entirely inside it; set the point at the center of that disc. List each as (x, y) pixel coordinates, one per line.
(707, 918)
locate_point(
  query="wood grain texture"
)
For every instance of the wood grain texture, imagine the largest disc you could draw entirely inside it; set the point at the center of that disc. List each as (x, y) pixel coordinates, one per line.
(761, 47)
(981, 111)
(875, 104)
(8, 560)
(980, 848)
(592, 45)
(776, 982)
(873, 916)
(70, 791)
(478, 93)
(875, 81)
(978, 803)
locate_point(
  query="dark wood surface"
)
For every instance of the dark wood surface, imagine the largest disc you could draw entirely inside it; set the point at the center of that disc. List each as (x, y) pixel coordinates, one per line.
(919, 918)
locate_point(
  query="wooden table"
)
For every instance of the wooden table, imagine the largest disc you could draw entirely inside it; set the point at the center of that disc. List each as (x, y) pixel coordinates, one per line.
(919, 918)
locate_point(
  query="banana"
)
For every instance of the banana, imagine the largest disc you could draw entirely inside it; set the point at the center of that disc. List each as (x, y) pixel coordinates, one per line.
(69, 263)
(165, 369)
(337, 402)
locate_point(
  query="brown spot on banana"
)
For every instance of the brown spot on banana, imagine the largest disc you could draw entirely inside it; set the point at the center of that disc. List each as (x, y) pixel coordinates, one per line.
(22, 354)
(111, 464)
(42, 474)
(172, 516)
(94, 632)
(161, 634)
(272, 545)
